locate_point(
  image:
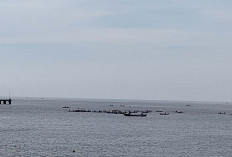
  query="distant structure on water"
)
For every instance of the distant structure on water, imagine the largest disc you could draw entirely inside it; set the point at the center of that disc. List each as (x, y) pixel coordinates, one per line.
(5, 101)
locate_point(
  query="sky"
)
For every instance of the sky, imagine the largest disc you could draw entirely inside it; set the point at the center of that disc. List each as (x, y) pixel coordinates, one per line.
(117, 49)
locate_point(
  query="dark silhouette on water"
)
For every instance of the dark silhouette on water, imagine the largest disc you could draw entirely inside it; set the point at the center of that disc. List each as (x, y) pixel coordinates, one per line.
(221, 113)
(5, 101)
(65, 107)
(126, 113)
(135, 114)
(179, 111)
(165, 113)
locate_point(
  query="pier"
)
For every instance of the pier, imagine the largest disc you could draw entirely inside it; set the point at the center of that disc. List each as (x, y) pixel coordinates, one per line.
(5, 101)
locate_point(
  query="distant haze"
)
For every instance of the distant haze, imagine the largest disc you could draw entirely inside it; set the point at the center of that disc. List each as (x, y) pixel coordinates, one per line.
(117, 49)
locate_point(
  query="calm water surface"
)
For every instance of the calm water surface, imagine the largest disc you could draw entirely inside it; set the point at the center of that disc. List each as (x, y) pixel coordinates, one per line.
(41, 127)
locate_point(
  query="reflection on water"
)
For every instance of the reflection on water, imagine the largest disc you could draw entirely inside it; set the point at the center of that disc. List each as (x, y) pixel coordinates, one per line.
(41, 127)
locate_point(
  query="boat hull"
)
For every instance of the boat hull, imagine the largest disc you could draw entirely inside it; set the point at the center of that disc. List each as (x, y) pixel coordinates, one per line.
(135, 115)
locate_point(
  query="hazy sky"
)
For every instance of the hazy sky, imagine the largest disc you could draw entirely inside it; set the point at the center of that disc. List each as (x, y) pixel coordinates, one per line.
(126, 49)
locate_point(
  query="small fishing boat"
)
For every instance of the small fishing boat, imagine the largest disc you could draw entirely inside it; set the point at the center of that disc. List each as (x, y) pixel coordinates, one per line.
(65, 107)
(221, 113)
(179, 112)
(135, 114)
(164, 113)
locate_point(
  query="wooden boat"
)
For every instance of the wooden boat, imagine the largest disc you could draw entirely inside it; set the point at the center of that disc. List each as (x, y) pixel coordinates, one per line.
(221, 113)
(164, 113)
(65, 107)
(135, 114)
(179, 112)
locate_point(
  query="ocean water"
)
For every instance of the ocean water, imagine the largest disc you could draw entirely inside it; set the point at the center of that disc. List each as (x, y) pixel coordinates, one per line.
(41, 127)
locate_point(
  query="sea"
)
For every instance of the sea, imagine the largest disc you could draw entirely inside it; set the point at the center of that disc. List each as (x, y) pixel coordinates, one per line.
(41, 127)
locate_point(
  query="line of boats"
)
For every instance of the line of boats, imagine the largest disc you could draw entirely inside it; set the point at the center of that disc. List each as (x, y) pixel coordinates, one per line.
(136, 113)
